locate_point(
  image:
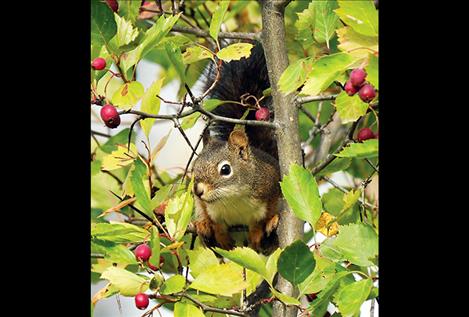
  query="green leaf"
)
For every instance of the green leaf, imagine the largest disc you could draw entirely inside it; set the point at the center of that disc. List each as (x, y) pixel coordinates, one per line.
(350, 198)
(139, 175)
(305, 25)
(296, 262)
(372, 71)
(175, 56)
(129, 9)
(246, 257)
(362, 16)
(113, 252)
(217, 18)
(271, 265)
(323, 273)
(287, 300)
(151, 105)
(301, 192)
(201, 259)
(223, 279)
(150, 40)
(325, 70)
(326, 20)
(178, 213)
(160, 196)
(185, 213)
(118, 232)
(350, 298)
(126, 33)
(235, 52)
(295, 75)
(189, 121)
(350, 108)
(319, 306)
(128, 283)
(339, 164)
(103, 25)
(187, 310)
(357, 243)
(128, 95)
(155, 247)
(174, 284)
(355, 43)
(194, 54)
(367, 149)
(119, 138)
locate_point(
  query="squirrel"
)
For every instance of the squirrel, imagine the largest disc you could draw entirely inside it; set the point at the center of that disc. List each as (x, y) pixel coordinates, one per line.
(236, 175)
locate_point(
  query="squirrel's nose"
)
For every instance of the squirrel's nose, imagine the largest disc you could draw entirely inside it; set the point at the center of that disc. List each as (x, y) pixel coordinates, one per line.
(199, 189)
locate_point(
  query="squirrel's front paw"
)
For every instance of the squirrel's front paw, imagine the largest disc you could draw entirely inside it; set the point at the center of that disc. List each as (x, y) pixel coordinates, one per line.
(271, 224)
(203, 227)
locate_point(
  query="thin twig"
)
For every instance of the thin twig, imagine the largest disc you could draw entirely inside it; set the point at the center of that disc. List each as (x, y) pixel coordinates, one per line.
(225, 35)
(301, 100)
(330, 181)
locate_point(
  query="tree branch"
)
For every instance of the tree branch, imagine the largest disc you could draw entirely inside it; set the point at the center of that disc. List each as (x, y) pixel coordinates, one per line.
(301, 100)
(194, 109)
(223, 35)
(290, 228)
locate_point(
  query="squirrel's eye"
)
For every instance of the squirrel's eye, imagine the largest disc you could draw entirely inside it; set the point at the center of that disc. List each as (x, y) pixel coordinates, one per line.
(225, 170)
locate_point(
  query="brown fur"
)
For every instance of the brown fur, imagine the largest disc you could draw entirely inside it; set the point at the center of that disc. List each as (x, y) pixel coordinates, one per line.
(255, 177)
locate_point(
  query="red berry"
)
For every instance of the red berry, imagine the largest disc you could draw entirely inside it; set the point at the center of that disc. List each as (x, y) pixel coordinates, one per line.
(365, 134)
(262, 114)
(142, 300)
(142, 252)
(110, 116)
(113, 4)
(311, 296)
(349, 88)
(357, 77)
(367, 93)
(98, 63)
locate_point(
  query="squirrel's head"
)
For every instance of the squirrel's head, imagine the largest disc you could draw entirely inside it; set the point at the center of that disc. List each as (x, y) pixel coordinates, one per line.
(220, 169)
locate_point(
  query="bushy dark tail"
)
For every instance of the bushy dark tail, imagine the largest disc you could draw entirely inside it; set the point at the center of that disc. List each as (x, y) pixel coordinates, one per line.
(237, 78)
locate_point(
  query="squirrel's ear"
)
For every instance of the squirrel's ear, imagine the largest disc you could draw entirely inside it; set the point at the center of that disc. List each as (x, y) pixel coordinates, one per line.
(238, 140)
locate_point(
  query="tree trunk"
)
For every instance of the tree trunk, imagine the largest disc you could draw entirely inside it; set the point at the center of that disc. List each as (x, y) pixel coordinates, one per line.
(288, 139)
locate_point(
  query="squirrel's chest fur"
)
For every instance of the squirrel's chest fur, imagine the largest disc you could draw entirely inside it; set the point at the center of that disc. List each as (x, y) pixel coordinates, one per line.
(236, 210)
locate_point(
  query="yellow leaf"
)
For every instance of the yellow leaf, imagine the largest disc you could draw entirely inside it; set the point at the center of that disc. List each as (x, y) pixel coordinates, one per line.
(356, 44)
(160, 145)
(326, 224)
(120, 157)
(104, 292)
(235, 52)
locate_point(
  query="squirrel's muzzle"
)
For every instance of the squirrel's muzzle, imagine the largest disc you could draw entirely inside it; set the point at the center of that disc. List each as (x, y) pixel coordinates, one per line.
(199, 189)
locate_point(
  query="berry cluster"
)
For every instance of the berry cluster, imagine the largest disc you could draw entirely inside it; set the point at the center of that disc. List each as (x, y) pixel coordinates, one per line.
(143, 253)
(357, 83)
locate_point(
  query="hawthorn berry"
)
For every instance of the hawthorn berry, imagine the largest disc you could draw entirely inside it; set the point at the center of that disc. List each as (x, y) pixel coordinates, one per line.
(262, 114)
(349, 88)
(151, 266)
(367, 93)
(110, 116)
(142, 252)
(113, 4)
(365, 134)
(98, 63)
(357, 77)
(142, 300)
(311, 296)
